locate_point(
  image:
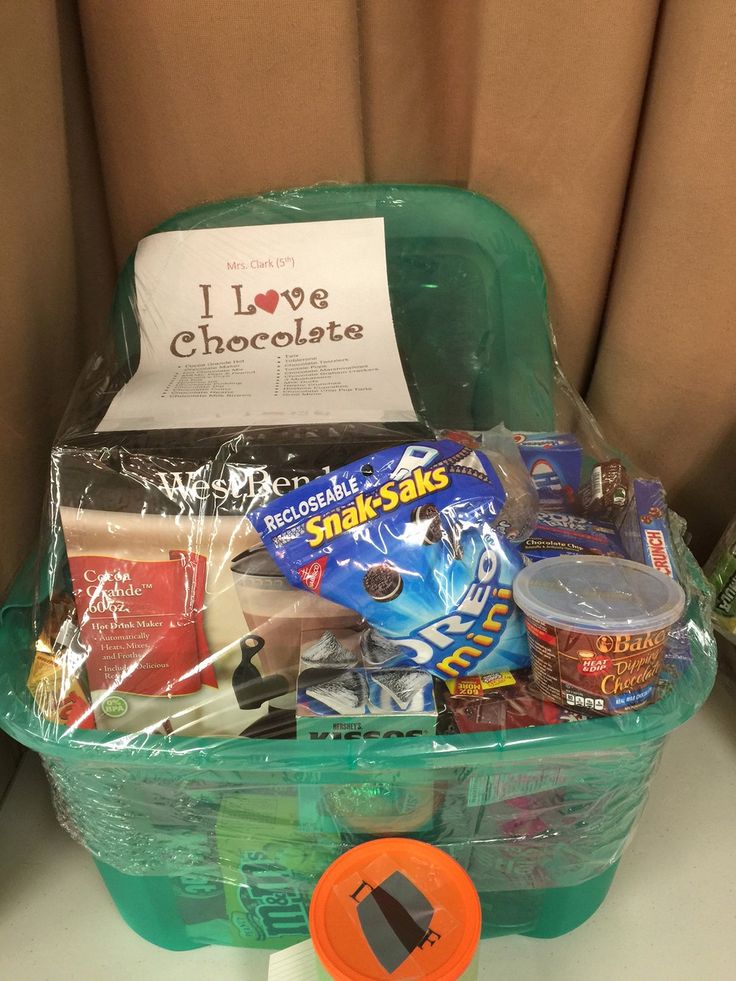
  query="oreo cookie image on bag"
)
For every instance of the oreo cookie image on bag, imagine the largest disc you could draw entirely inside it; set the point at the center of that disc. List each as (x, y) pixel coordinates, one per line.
(427, 516)
(383, 583)
(408, 538)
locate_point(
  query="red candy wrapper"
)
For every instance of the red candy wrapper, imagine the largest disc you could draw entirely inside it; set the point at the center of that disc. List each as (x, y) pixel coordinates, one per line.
(508, 707)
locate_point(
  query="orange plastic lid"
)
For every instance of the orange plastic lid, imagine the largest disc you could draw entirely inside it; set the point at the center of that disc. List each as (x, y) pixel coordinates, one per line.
(395, 908)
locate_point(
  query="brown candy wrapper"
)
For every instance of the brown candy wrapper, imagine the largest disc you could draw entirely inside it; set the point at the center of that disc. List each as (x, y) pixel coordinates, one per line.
(54, 676)
(606, 492)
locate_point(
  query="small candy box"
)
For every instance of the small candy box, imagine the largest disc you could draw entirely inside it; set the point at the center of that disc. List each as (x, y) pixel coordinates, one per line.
(557, 533)
(477, 686)
(644, 528)
(555, 462)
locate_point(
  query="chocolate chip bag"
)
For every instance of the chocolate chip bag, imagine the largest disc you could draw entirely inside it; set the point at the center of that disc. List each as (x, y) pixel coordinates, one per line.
(407, 537)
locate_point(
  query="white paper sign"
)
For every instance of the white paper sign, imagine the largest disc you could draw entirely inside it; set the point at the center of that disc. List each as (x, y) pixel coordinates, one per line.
(271, 324)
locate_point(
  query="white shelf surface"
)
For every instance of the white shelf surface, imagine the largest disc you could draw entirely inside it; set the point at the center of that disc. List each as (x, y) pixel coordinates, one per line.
(671, 912)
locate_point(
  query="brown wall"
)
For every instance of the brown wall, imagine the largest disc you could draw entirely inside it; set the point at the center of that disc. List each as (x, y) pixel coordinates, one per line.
(538, 105)
(57, 271)
(534, 104)
(665, 378)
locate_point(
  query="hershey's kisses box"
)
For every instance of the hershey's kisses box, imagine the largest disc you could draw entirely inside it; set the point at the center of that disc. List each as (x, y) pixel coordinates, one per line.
(345, 691)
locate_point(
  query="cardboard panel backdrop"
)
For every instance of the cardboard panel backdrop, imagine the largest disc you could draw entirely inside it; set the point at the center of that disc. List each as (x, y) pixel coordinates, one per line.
(604, 128)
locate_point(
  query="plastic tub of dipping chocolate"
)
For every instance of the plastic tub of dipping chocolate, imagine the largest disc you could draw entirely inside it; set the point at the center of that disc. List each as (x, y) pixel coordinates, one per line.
(597, 629)
(395, 908)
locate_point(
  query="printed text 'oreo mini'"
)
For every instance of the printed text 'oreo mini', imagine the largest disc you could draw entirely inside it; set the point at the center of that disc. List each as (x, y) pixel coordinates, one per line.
(409, 538)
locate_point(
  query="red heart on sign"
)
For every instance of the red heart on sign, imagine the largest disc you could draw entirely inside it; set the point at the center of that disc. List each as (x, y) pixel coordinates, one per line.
(267, 301)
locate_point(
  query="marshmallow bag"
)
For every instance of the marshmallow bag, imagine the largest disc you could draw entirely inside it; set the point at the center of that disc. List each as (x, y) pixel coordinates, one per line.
(149, 652)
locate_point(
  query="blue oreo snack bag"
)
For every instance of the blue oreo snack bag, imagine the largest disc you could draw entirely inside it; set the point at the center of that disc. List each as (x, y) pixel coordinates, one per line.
(409, 538)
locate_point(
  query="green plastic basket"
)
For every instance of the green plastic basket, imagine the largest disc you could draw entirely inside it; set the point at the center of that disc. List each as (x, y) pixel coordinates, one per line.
(468, 298)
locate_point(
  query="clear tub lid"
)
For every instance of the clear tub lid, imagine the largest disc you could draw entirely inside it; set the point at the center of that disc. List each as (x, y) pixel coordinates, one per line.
(593, 592)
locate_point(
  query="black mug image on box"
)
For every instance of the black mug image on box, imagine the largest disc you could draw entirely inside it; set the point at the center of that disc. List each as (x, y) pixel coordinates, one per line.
(281, 620)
